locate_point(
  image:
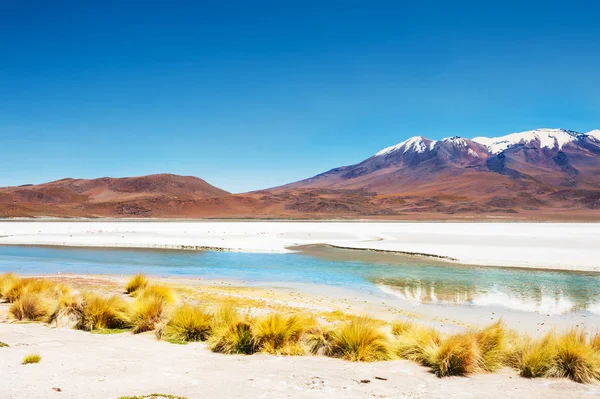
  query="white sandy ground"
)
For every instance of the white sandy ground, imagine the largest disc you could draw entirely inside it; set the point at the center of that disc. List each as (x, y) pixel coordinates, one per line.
(566, 246)
(85, 365)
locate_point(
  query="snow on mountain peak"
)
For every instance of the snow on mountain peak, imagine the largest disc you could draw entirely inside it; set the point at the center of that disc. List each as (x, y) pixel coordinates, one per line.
(417, 144)
(548, 138)
(456, 140)
(594, 133)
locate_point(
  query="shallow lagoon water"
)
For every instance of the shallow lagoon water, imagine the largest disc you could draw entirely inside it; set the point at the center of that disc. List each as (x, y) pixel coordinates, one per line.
(418, 280)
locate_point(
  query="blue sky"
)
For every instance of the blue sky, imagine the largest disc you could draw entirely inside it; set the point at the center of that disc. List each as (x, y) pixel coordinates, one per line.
(249, 95)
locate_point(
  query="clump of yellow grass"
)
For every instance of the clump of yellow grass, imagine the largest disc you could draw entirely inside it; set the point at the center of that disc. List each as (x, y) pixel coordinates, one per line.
(100, 312)
(575, 357)
(280, 334)
(137, 282)
(361, 339)
(417, 343)
(34, 307)
(188, 323)
(232, 332)
(457, 354)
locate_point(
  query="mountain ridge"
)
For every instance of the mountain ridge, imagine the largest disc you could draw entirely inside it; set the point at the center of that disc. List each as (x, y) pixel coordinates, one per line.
(539, 174)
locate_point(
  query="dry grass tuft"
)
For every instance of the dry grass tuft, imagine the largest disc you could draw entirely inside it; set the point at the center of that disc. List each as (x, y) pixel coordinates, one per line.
(457, 355)
(418, 343)
(7, 281)
(595, 341)
(147, 312)
(361, 340)
(188, 324)
(232, 332)
(137, 282)
(401, 327)
(280, 334)
(317, 341)
(32, 307)
(493, 346)
(538, 357)
(159, 291)
(100, 312)
(575, 358)
(30, 359)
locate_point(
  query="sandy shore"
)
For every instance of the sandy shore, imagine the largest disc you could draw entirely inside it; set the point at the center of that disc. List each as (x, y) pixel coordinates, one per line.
(564, 246)
(84, 365)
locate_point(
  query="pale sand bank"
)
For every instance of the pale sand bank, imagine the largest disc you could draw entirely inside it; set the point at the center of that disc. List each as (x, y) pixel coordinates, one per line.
(561, 246)
(85, 365)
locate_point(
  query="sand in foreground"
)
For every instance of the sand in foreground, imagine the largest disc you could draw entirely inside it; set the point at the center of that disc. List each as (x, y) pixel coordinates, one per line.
(85, 365)
(566, 246)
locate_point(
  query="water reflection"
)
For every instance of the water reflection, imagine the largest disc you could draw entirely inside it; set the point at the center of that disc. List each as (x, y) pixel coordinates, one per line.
(542, 299)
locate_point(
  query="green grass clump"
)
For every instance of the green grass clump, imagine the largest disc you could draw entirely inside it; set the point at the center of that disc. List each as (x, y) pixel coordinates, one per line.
(30, 359)
(3, 345)
(100, 312)
(188, 324)
(280, 334)
(137, 282)
(32, 307)
(361, 340)
(232, 332)
(456, 355)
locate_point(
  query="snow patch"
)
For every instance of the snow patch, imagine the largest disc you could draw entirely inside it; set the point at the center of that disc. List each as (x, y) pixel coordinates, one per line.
(595, 134)
(547, 138)
(415, 144)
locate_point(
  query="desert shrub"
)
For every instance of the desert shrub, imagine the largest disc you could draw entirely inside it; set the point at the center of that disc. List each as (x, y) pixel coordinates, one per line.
(137, 282)
(361, 339)
(456, 355)
(232, 332)
(188, 324)
(30, 359)
(32, 307)
(100, 312)
(575, 358)
(538, 356)
(280, 334)
(3, 345)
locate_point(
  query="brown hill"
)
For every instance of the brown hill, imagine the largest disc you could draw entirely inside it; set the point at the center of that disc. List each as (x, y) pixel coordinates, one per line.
(143, 196)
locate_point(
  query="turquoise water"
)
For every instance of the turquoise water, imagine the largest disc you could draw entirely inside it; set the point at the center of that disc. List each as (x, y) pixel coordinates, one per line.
(410, 279)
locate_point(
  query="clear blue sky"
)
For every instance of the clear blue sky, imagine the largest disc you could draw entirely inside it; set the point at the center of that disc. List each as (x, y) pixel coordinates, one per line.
(252, 94)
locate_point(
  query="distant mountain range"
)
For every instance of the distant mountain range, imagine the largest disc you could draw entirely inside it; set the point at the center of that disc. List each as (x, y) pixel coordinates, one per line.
(537, 174)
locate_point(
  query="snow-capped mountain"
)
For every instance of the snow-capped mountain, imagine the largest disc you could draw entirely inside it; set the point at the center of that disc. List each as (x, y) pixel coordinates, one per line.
(538, 138)
(594, 133)
(534, 159)
(543, 138)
